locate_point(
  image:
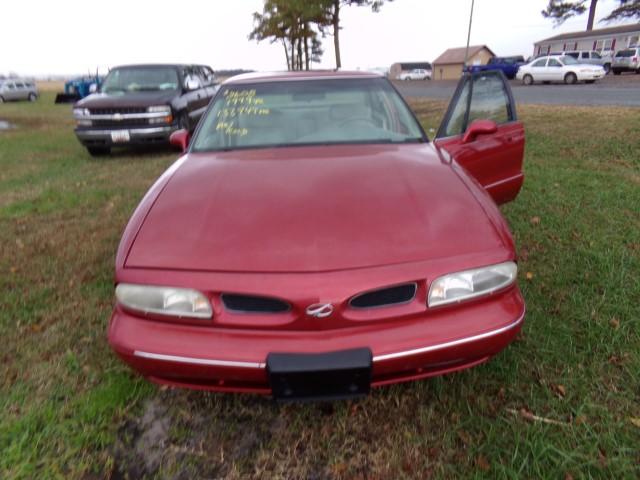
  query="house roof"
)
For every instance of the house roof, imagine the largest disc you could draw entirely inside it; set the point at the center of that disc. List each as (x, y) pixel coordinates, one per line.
(456, 55)
(634, 27)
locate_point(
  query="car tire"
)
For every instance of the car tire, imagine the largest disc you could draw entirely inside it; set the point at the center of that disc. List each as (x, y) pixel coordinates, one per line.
(570, 78)
(616, 72)
(99, 151)
(607, 68)
(33, 97)
(527, 80)
(1, 99)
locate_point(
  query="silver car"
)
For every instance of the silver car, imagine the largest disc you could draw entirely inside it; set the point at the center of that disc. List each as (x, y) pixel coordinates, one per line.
(626, 60)
(17, 89)
(591, 57)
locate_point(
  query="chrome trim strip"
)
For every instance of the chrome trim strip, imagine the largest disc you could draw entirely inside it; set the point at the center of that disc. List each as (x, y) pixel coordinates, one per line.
(452, 343)
(122, 116)
(132, 131)
(500, 182)
(198, 361)
(377, 358)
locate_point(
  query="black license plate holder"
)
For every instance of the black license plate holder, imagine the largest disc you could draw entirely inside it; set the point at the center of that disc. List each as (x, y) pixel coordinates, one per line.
(335, 375)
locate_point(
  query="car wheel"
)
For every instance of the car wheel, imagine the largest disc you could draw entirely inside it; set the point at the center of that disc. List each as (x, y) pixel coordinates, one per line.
(1, 99)
(33, 97)
(616, 72)
(527, 80)
(607, 68)
(98, 151)
(570, 78)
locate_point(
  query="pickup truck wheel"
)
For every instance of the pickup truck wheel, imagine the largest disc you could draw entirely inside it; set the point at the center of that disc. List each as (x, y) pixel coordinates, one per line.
(607, 68)
(570, 78)
(98, 151)
(527, 80)
(32, 97)
(1, 99)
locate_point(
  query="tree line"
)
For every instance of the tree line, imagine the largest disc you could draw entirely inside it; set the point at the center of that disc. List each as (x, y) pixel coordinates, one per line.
(300, 26)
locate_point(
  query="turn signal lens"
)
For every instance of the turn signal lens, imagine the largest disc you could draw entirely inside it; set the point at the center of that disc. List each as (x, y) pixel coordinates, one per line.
(460, 286)
(177, 302)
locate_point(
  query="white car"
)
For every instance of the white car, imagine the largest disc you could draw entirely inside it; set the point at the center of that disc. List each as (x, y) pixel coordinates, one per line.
(416, 74)
(559, 68)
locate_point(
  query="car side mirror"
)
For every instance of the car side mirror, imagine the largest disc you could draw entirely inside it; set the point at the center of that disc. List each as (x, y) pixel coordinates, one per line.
(180, 138)
(479, 127)
(191, 84)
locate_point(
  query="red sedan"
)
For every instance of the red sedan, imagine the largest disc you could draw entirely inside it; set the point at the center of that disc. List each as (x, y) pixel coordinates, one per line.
(313, 243)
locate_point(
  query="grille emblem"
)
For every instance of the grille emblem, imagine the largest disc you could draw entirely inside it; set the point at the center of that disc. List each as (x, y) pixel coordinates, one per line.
(117, 117)
(320, 310)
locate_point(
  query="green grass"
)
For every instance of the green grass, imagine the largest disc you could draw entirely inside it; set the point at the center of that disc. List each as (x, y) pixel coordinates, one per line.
(70, 409)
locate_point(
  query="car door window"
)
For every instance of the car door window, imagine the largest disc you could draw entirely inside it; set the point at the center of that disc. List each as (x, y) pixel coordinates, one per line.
(11, 86)
(455, 124)
(584, 55)
(482, 96)
(19, 85)
(540, 63)
(489, 100)
(553, 63)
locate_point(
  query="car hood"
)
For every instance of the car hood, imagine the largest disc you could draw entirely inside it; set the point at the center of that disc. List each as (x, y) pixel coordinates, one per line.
(131, 99)
(302, 209)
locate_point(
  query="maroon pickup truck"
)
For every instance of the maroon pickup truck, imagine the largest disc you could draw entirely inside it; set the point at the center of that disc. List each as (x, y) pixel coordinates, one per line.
(143, 105)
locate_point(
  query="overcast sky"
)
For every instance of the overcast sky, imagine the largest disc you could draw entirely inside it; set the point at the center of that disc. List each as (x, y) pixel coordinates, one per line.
(73, 36)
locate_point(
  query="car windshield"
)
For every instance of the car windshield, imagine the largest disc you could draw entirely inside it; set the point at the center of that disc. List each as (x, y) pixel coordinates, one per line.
(567, 60)
(307, 112)
(625, 53)
(140, 79)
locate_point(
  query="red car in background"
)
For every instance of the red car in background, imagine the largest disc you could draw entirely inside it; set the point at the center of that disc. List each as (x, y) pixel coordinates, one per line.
(313, 243)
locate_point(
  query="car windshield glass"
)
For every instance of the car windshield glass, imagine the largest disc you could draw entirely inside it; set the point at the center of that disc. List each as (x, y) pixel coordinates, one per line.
(140, 79)
(567, 60)
(625, 53)
(307, 112)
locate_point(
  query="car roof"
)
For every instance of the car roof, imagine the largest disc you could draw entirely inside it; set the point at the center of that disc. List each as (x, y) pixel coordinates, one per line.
(262, 77)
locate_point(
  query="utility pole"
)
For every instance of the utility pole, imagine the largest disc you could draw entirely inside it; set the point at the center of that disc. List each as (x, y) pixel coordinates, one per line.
(466, 52)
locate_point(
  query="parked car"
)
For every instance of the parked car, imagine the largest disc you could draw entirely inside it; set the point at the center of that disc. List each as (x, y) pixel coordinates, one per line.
(142, 105)
(559, 68)
(627, 60)
(312, 242)
(591, 57)
(508, 65)
(416, 74)
(17, 89)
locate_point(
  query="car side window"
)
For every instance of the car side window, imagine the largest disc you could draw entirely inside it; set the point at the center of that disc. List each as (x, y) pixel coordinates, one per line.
(19, 85)
(489, 100)
(584, 55)
(595, 55)
(554, 63)
(456, 122)
(10, 86)
(540, 63)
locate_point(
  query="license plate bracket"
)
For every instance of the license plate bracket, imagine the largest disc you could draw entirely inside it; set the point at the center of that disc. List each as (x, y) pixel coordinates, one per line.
(320, 376)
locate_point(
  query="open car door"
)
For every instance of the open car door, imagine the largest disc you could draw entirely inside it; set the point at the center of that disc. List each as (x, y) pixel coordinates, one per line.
(481, 132)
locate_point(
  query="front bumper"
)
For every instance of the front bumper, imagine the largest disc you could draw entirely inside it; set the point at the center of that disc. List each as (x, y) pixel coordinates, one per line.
(234, 359)
(102, 137)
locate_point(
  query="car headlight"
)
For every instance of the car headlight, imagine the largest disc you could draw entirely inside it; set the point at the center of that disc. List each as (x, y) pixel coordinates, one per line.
(176, 302)
(460, 286)
(159, 109)
(81, 112)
